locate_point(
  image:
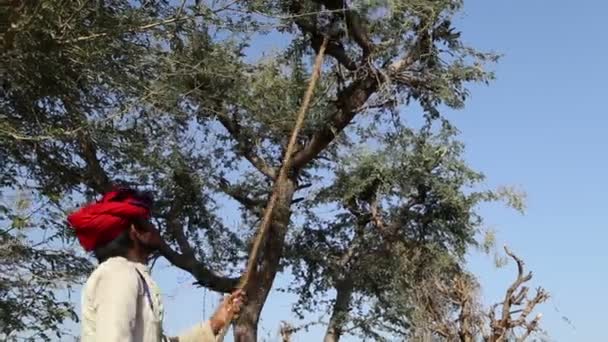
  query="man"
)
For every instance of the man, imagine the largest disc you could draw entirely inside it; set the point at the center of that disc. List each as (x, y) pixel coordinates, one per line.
(120, 301)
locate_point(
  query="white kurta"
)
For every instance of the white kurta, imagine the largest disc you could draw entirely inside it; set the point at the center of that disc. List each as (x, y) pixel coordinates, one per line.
(116, 307)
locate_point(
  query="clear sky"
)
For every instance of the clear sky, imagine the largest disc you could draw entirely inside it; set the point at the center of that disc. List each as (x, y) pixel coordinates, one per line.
(539, 126)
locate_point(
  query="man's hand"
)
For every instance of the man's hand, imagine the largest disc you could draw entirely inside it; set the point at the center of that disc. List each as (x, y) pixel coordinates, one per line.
(231, 306)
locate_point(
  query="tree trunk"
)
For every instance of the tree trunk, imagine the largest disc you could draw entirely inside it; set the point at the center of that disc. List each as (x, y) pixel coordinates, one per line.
(246, 327)
(344, 291)
(260, 284)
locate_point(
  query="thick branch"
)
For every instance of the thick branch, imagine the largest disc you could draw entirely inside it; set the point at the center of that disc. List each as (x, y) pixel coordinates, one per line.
(187, 260)
(362, 220)
(204, 276)
(466, 317)
(353, 98)
(273, 226)
(175, 227)
(94, 170)
(354, 22)
(341, 307)
(521, 278)
(376, 215)
(334, 48)
(344, 284)
(499, 328)
(349, 101)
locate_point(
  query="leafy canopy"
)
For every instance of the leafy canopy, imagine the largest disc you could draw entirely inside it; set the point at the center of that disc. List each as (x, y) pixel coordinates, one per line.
(178, 98)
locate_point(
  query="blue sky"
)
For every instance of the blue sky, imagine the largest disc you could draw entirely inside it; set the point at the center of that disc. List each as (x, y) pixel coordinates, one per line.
(540, 127)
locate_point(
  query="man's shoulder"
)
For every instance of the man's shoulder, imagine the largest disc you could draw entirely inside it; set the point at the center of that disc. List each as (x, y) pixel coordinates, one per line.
(112, 279)
(113, 269)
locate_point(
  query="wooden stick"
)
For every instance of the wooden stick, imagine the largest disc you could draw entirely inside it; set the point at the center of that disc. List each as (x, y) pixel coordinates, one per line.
(285, 167)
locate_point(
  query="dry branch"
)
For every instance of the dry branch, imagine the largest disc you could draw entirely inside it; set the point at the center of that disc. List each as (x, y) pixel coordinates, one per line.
(516, 301)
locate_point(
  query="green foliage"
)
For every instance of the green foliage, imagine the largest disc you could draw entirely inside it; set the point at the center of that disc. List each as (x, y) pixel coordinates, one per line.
(425, 200)
(32, 272)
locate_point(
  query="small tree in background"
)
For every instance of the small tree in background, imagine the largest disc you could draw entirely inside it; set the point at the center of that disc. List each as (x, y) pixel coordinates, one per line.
(450, 310)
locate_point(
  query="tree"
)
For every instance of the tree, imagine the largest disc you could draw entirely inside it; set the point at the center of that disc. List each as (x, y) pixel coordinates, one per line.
(451, 309)
(406, 217)
(164, 94)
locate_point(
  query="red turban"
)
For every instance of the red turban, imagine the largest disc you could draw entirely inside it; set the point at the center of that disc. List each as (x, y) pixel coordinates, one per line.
(99, 223)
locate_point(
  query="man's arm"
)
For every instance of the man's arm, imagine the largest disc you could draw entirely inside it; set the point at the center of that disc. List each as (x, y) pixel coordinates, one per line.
(116, 298)
(202, 332)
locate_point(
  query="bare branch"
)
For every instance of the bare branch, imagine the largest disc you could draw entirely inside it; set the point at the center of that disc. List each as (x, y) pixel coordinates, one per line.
(297, 200)
(286, 331)
(469, 325)
(530, 328)
(521, 278)
(304, 186)
(540, 297)
(516, 295)
(19, 137)
(140, 28)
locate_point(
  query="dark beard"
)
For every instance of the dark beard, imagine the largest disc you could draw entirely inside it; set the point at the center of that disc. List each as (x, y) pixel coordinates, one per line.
(149, 248)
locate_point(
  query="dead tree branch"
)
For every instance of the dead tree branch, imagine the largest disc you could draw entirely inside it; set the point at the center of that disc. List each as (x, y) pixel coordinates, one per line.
(516, 301)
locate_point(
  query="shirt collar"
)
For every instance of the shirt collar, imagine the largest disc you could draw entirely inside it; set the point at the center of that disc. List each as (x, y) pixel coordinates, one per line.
(141, 267)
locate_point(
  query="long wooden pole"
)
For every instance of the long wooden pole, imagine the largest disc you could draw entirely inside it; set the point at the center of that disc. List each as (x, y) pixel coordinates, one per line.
(281, 178)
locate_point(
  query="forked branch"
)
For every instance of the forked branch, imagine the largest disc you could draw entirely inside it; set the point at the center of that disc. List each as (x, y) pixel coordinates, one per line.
(516, 301)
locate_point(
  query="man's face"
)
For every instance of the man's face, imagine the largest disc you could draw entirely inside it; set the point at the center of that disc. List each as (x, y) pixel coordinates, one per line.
(147, 235)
